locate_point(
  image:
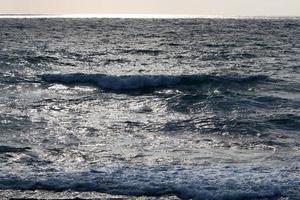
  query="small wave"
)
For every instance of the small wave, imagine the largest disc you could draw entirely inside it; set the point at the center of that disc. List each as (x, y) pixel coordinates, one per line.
(140, 82)
(116, 61)
(144, 51)
(40, 59)
(9, 149)
(286, 121)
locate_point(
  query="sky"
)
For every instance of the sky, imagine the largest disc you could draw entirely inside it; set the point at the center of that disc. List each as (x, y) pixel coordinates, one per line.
(156, 7)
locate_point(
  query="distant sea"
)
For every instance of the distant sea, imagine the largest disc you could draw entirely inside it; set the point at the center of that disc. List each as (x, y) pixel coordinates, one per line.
(191, 108)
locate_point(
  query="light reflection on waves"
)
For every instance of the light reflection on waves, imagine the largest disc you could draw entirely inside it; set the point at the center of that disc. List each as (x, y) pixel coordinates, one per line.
(200, 112)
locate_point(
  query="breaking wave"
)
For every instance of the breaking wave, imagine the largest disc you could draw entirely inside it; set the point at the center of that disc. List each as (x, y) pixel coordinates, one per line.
(231, 182)
(136, 82)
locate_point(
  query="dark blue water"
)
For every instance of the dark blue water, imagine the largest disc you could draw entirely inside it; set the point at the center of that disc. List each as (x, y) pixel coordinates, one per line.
(189, 108)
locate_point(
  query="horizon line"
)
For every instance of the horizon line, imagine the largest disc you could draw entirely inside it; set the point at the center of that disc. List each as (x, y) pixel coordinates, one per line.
(137, 16)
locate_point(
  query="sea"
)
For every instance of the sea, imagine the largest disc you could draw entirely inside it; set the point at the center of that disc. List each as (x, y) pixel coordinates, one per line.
(150, 108)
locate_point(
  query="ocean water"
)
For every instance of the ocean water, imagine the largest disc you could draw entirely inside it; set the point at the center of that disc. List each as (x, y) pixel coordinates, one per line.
(204, 109)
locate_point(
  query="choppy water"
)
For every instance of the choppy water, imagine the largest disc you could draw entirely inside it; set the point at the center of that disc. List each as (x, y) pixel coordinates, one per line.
(194, 108)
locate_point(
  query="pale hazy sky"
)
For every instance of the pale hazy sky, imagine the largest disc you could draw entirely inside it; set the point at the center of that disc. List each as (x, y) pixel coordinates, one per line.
(169, 7)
